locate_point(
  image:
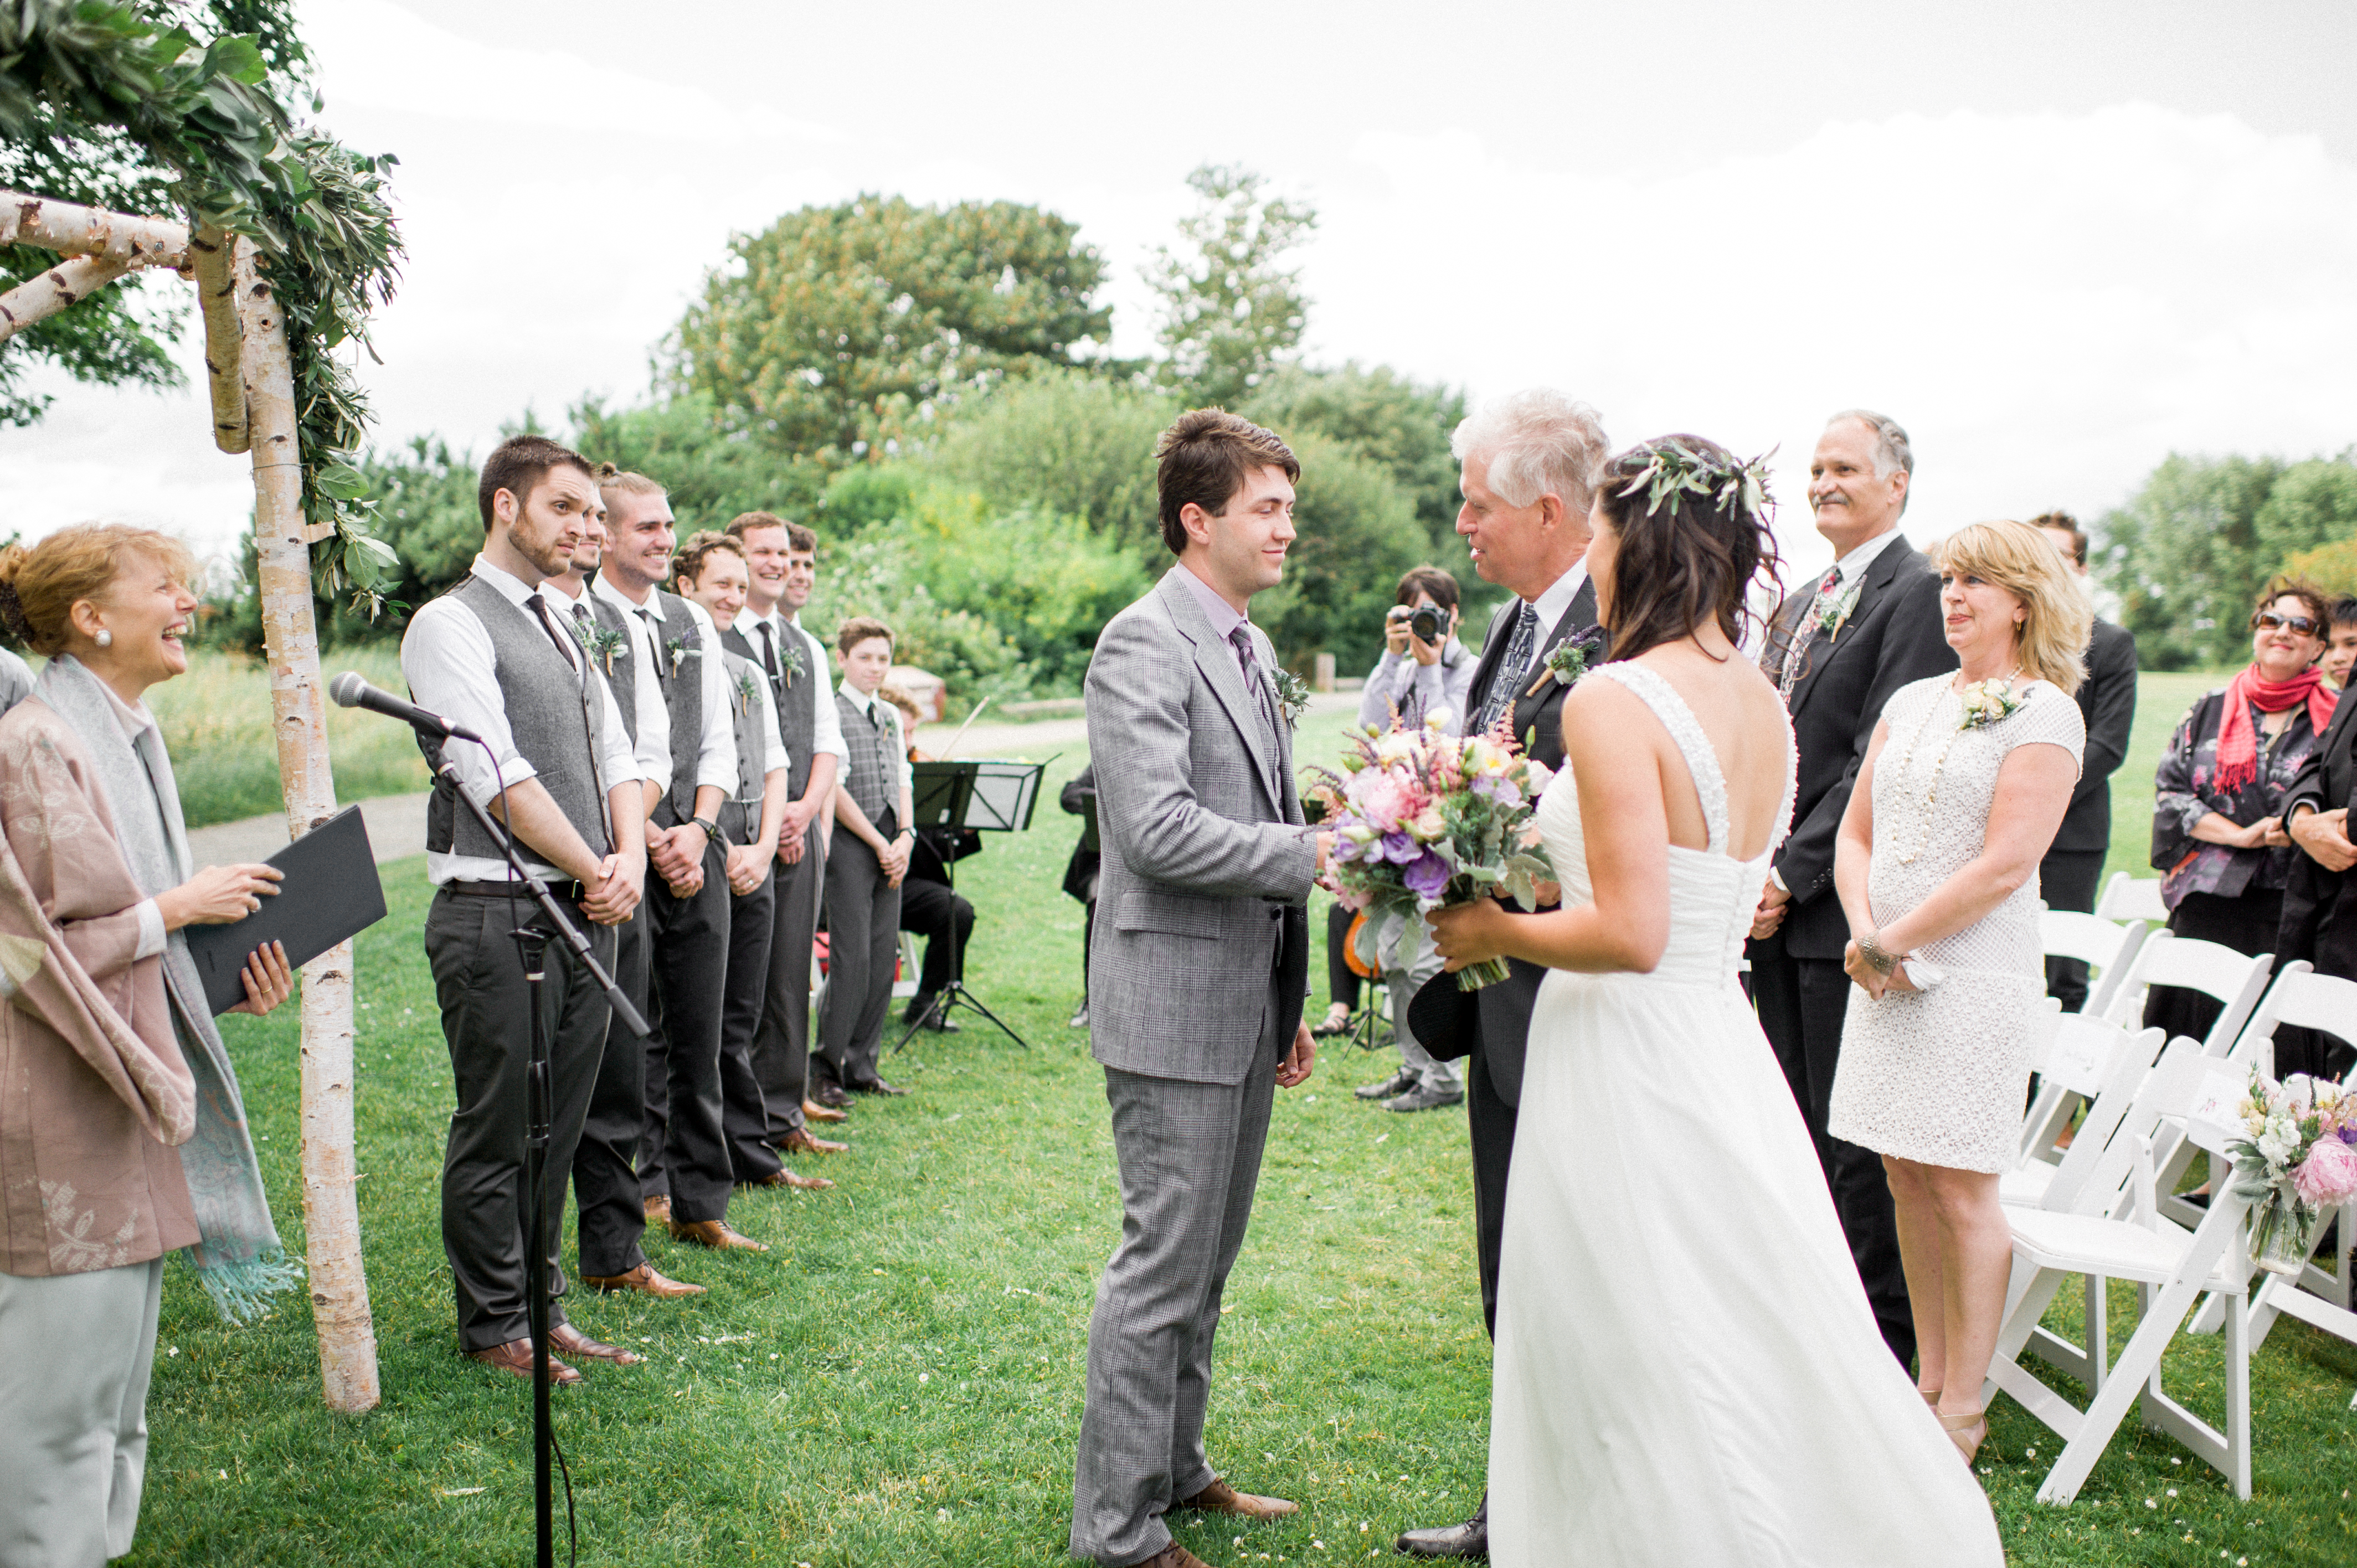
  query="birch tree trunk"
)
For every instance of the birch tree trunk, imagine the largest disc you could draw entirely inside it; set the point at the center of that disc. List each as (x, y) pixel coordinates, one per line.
(340, 1299)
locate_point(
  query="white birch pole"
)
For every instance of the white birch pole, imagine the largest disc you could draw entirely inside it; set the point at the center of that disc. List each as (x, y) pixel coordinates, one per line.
(339, 1298)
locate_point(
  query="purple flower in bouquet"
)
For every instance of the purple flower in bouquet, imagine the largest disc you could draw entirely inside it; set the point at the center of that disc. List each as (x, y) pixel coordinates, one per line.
(1400, 849)
(1427, 876)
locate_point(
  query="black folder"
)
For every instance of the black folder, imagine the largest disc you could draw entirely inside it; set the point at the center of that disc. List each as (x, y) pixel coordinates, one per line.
(331, 893)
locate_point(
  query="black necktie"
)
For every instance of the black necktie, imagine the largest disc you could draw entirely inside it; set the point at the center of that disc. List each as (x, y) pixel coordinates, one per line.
(655, 630)
(769, 650)
(1505, 682)
(567, 648)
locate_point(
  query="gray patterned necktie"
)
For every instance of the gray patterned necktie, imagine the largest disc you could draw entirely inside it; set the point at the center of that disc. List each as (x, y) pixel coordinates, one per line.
(1505, 682)
(1254, 682)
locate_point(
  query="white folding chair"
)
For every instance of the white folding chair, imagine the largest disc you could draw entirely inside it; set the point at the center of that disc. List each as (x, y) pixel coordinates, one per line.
(2129, 897)
(2171, 1267)
(2092, 1060)
(2234, 981)
(2105, 946)
(904, 984)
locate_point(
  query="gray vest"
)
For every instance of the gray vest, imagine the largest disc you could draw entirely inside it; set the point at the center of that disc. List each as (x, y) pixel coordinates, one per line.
(547, 713)
(740, 818)
(874, 776)
(797, 698)
(680, 669)
(620, 669)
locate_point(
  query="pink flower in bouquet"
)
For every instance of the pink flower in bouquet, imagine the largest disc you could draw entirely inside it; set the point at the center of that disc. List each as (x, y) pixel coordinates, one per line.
(1427, 825)
(1385, 797)
(2328, 1175)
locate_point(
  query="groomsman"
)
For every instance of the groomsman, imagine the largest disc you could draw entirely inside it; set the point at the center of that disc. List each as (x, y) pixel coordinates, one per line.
(605, 1166)
(1528, 467)
(557, 769)
(684, 1164)
(781, 561)
(1839, 647)
(2073, 872)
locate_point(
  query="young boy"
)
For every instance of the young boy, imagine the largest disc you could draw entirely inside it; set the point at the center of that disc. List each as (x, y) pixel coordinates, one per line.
(868, 864)
(2342, 651)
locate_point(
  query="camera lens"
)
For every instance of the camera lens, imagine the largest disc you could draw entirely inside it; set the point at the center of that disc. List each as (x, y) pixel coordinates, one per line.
(1426, 624)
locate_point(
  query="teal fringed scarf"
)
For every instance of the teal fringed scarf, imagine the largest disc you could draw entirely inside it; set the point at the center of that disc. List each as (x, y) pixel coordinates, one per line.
(239, 1257)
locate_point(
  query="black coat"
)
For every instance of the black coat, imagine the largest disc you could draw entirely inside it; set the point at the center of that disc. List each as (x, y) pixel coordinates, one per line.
(1893, 636)
(1080, 798)
(2107, 702)
(2319, 906)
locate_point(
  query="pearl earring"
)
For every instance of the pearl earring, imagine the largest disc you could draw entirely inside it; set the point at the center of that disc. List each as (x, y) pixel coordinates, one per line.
(104, 638)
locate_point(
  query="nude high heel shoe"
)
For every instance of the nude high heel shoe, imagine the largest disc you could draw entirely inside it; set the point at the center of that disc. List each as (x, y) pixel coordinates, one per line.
(1967, 1430)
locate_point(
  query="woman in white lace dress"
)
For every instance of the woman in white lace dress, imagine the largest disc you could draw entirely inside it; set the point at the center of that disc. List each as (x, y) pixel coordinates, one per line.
(1687, 1372)
(1964, 785)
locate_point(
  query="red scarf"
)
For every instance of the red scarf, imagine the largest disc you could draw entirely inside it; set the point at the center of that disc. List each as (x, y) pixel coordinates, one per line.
(2238, 741)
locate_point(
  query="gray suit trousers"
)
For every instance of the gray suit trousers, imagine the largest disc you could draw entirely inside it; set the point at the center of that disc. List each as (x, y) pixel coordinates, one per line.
(782, 1047)
(1190, 1155)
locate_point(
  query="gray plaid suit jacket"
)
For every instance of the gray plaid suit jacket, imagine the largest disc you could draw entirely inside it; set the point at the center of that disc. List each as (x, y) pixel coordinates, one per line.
(1207, 869)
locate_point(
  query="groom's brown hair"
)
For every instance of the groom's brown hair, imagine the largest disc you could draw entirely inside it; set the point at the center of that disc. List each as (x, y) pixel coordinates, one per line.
(1202, 460)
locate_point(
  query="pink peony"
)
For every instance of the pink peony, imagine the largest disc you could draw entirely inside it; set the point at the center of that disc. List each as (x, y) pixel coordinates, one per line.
(1383, 799)
(2328, 1175)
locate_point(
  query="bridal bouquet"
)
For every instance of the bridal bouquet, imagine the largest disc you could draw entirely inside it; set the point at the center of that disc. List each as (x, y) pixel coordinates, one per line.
(1422, 820)
(2298, 1158)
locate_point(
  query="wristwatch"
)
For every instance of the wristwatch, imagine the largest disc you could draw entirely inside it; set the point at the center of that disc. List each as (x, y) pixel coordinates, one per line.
(711, 830)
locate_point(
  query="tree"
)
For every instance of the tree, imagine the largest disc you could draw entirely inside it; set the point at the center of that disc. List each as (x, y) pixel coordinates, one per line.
(2193, 548)
(1230, 313)
(713, 467)
(1398, 423)
(1076, 445)
(836, 334)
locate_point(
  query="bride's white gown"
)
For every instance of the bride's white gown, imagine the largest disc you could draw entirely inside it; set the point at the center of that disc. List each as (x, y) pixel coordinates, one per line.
(1687, 1372)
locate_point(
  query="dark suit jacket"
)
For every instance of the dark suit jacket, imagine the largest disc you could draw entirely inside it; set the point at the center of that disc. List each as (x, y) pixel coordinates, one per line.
(1498, 1025)
(2107, 702)
(2315, 899)
(1892, 636)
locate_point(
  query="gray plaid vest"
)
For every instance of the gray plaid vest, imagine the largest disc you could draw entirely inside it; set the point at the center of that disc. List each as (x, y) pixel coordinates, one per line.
(874, 778)
(740, 817)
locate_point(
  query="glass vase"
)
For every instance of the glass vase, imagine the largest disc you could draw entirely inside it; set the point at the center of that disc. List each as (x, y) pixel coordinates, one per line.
(2283, 1230)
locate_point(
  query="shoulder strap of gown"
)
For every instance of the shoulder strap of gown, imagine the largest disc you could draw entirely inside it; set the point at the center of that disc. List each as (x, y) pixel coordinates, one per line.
(1702, 762)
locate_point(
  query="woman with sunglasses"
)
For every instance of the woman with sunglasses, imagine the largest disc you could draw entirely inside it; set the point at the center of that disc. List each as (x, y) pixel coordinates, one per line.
(2217, 830)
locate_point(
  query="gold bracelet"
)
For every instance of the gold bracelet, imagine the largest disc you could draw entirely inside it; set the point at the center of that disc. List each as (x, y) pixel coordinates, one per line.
(1870, 948)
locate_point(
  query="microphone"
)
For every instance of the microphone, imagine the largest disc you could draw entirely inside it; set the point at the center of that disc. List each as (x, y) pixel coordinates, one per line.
(351, 691)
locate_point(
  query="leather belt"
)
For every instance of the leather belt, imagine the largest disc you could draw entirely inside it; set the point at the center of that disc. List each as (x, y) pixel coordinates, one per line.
(564, 891)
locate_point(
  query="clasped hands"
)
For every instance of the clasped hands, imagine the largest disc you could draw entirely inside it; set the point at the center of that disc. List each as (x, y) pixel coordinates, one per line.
(2324, 836)
(894, 857)
(1872, 980)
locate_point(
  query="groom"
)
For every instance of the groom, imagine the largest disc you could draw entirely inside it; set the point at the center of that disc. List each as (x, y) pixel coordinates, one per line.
(1529, 467)
(1196, 975)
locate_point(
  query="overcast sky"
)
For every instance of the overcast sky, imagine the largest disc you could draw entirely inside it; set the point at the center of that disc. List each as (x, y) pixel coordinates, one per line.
(2057, 242)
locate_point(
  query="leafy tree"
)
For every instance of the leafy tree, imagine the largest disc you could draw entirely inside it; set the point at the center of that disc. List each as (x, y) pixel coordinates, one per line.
(2194, 547)
(1077, 445)
(713, 471)
(2333, 567)
(835, 333)
(1401, 424)
(1231, 312)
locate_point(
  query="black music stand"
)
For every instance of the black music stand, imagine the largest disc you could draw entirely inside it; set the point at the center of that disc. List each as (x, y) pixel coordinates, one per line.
(987, 797)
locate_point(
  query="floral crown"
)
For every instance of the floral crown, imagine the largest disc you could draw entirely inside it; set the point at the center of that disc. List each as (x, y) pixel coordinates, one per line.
(1672, 468)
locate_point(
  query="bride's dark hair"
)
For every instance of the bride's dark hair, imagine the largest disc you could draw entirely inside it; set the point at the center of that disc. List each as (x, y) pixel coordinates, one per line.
(1692, 522)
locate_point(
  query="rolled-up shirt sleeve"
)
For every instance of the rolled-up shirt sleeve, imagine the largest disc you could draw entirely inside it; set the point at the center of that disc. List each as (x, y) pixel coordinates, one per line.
(716, 754)
(618, 758)
(447, 659)
(151, 931)
(773, 745)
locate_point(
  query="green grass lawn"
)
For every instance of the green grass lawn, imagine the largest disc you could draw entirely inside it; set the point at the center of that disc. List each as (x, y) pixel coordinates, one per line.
(900, 1380)
(216, 723)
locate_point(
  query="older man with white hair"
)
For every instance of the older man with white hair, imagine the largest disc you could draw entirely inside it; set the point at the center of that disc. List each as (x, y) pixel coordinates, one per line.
(1528, 472)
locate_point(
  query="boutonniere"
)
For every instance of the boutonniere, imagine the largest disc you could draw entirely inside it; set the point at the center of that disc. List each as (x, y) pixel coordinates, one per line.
(1989, 702)
(687, 645)
(790, 660)
(1292, 696)
(1567, 661)
(746, 689)
(600, 643)
(1833, 609)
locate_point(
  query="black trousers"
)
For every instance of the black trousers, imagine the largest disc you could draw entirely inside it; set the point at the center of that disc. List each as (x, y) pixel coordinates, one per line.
(933, 911)
(863, 923)
(745, 1112)
(683, 1145)
(1802, 1003)
(2247, 924)
(1491, 1121)
(487, 1020)
(1341, 979)
(781, 1053)
(605, 1166)
(2069, 879)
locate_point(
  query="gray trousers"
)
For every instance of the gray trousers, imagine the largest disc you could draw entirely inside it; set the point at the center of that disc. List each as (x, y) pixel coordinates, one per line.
(863, 922)
(1423, 962)
(782, 1047)
(1190, 1156)
(75, 1353)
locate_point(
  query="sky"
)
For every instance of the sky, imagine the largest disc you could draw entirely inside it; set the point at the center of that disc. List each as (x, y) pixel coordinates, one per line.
(2056, 243)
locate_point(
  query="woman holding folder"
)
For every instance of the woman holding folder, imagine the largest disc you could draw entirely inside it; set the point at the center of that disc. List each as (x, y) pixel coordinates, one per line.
(122, 1133)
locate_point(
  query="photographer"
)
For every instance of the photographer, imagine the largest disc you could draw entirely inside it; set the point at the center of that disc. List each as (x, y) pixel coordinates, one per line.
(1424, 671)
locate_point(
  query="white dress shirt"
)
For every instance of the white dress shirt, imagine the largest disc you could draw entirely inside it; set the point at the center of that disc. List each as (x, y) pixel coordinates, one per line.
(867, 705)
(452, 670)
(1862, 556)
(136, 719)
(715, 754)
(826, 726)
(652, 747)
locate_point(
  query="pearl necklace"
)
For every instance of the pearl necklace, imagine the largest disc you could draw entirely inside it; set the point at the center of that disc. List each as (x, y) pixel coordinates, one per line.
(1932, 794)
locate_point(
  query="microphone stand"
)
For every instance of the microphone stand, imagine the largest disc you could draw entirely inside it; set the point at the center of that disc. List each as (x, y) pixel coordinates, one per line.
(532, 948)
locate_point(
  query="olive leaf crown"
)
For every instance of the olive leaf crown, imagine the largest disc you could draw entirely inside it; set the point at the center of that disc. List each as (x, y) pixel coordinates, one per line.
(1672, 469)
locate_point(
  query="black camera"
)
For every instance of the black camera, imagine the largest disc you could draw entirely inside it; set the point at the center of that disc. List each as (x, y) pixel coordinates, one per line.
(1426, 624)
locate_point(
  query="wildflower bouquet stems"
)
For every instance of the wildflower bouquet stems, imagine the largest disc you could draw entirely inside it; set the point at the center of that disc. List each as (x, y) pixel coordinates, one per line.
(1424, 820)
(2298, 1158)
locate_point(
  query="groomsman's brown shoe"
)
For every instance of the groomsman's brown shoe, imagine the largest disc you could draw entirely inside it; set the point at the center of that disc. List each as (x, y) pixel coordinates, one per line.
(659, 1210)
(782, 1176)
(1174, 1556)
(813, 1111)
(830, 1095)
(514, 1358)
(716, 1234)
(1221, 1497)
(803, 1141)
(644, 1280)
(581, 1348)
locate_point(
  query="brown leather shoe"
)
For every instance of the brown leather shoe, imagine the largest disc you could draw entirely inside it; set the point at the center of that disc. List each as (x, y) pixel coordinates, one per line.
(814, 1111)
(716, 1234)
(781, 1177)
(1221, 1497)
(514, 1358)
(1174, 1556)
(803, 1141)
(644, 1280)
(830, 1095)
(659, 1210)
(581, 1348)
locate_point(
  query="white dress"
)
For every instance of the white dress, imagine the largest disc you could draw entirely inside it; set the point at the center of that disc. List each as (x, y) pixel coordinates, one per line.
(1687, 1372)
(1941, 1076)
